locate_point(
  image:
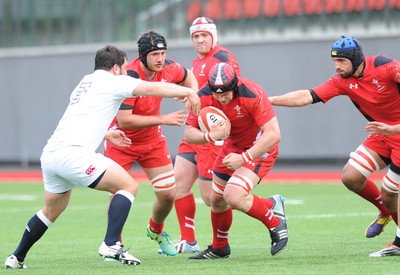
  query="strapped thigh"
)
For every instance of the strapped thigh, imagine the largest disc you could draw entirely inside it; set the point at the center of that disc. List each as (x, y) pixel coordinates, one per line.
(391, 182)
(363, 161)
(240, 181)
(164, 181)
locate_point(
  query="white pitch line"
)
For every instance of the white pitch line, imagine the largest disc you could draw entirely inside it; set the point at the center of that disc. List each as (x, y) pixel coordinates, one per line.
(332, 215)
(13, 197)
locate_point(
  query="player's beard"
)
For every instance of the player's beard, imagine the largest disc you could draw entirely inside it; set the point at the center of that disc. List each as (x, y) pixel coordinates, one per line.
(346, 75)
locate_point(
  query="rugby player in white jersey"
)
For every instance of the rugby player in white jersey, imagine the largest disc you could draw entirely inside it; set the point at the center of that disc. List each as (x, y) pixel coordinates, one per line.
(69, 159)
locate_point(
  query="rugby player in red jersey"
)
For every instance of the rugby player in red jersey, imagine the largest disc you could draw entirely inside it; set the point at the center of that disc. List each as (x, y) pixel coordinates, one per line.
(247, 155)
(372, 84)
(140, 119)
(194, 162)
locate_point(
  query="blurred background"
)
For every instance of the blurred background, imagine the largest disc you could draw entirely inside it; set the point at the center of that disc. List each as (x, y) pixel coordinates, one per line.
(46, 46)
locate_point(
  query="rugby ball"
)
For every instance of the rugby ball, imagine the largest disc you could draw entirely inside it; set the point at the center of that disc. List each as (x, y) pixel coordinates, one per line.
(209, 116)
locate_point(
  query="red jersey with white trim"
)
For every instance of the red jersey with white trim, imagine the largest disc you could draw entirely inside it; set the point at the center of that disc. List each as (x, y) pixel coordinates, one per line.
(247, 111)
(172, 72)
(376, 94)
(218, 54)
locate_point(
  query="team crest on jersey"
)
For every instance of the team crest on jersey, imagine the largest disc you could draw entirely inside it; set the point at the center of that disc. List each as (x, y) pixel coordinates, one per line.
(238, 110)
(376, 82)
(202, 70)
(353, 86)
(90, 170)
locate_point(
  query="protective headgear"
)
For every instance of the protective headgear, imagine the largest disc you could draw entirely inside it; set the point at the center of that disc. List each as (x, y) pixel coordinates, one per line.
(149, 42)
(349, 48)
(204, 24)
(222, 78)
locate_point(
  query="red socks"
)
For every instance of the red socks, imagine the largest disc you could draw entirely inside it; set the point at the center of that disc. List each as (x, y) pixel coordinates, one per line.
(185, 211)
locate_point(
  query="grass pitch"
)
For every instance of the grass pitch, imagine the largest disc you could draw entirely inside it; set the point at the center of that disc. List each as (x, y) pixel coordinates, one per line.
(326, 235)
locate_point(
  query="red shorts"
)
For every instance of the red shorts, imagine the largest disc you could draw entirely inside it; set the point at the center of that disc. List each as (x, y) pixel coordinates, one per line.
(149, 155)
(260, 166)
(386, 146)
(205, 156)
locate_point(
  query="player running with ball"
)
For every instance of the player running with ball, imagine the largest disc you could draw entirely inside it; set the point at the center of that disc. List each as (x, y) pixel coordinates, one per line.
(247, 155)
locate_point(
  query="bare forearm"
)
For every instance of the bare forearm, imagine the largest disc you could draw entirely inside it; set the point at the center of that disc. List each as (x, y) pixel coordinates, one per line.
(139, 122)
(297, 98)
(193, 135)
(162, 89)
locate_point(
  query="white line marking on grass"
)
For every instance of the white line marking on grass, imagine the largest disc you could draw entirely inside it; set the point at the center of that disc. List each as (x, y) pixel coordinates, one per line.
(13, 197)
(294, 202)
(198, 200)
(331, 215)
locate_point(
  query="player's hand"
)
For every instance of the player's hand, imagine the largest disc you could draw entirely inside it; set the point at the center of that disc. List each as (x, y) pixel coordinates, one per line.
(233, 161)
(118, 138)
(177, 118)
(375, 127)
(220, 130)
(194, 100)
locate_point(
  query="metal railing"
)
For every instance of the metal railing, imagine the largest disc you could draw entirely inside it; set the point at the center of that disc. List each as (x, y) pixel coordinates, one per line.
(26, 23)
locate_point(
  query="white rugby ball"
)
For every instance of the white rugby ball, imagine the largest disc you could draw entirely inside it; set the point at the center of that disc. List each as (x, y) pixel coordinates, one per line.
(209, 116)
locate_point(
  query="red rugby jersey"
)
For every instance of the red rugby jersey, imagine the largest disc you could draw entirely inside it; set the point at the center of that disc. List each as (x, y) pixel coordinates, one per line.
(172, 72)
(248, 111)
(376, 94)
(218, 54)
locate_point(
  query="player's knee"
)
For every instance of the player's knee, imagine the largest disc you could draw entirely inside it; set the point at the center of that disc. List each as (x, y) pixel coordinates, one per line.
(217, 202)
(237, 188)
(183, 187)
(129, 185)
(232, 199)
(206, 200)
(167, 196)
(352, 178)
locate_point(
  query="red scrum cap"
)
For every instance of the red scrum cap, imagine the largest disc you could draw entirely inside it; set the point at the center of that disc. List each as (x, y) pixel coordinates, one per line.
(222, 78)
(204, 24)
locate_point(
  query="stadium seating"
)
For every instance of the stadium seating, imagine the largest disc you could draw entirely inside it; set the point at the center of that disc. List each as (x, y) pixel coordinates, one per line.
(232, 9)
(292, 7)
(271, 8)
(394, 4)
(354, 5)
(333, 6)
(312, 7)
(214, 10)
(376, 5)
(251, 8)
(193, 11)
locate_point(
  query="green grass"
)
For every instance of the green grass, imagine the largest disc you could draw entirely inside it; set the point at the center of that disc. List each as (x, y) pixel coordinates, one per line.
(326, 227)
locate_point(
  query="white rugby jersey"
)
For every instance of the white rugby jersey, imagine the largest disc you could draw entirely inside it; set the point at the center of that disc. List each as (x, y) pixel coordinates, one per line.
(93, 105)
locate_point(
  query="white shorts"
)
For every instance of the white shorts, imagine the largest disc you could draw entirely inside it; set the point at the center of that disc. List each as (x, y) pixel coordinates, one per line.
(71, 167)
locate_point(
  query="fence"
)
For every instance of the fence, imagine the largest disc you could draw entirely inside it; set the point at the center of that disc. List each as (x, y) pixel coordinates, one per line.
(62, 22)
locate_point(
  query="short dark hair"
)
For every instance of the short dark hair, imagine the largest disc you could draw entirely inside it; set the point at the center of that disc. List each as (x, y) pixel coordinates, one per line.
(109, 56)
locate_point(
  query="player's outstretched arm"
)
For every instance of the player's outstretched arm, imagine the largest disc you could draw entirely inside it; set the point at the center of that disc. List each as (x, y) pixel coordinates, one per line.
(127, 120)
(297, 98)
(164, 89)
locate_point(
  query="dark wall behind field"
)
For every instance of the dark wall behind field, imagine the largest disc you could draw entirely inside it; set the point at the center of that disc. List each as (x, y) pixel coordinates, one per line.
(36, 83)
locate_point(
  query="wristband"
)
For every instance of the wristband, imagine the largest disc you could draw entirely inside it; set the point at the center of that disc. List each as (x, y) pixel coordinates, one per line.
(207, 137)
(246, 156)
